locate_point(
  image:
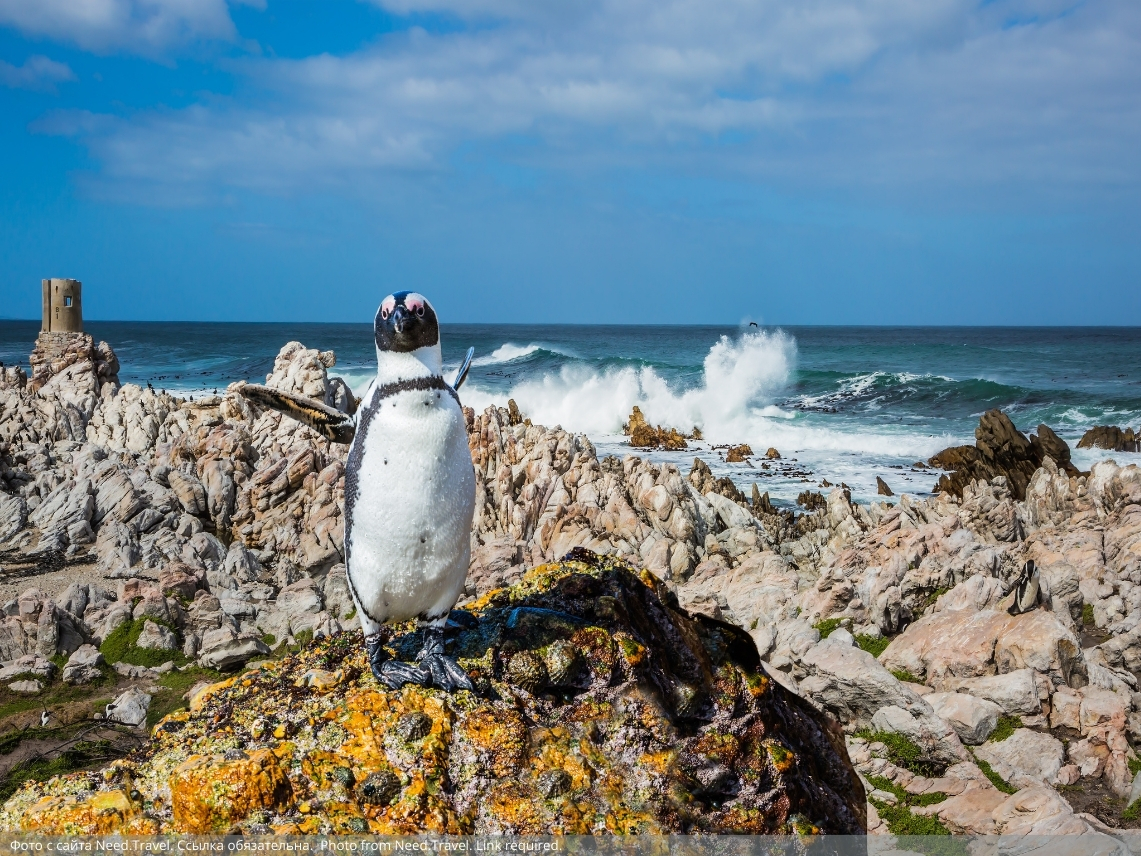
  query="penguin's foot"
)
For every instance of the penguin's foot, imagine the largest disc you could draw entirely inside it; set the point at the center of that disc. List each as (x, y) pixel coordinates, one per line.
(435, 668)
(394, 674)
(446, 673)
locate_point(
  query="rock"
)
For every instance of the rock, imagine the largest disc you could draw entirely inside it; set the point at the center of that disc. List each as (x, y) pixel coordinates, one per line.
(130, 708)
(224, 648)
(882, 489)
(853, 686)
(1000, 450)
(156, 636)
(210, 793)
(950, 646)
(27, 686)
(83, 666)
(931, 734)
(772, 454)
(1014, 692)
(1110, 437)
(973, 719)
(1025, 758)
(190, 492)
(646, 691)
(738, 454)
(29, 664)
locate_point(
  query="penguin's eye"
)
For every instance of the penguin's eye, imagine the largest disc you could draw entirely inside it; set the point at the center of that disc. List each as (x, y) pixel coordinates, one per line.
(384, 314)
(419, 310)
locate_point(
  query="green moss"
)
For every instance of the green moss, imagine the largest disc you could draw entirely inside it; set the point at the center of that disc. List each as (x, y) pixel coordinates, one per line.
(121, 645)
(1007, 725)
(904, 675)
(995, 779)
(1133, 812)
(1134, 766)
(900, 821)
(269, 639)
(1087, 613)
(304, 638)
(882, 783)
(929, 600)
(827, 626)
(172, 687)
(903, 753)
(874, 645)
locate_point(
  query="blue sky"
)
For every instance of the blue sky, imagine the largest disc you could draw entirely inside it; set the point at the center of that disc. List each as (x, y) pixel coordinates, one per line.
(817, 162)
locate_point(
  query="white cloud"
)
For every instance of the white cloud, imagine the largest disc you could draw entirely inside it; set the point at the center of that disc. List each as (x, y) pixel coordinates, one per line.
(145, 27)
(870, 92)
(37, 73)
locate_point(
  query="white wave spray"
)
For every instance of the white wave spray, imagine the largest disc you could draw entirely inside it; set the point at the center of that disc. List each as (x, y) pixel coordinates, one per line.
(735, 401)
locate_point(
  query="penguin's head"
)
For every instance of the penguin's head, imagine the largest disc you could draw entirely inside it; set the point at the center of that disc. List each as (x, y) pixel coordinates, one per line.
(405, 322)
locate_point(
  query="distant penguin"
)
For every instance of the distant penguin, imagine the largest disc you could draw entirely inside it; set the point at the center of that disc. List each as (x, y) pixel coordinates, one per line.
(1026, 589)
(409, 489)
(44, 718)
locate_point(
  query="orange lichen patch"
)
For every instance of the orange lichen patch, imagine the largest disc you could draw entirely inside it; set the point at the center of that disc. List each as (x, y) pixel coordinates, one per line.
(169, 724)
(559, 750)
(749, 821)
(659, 763)
(421, 808)
(633, 651)
(723, 748)
(100, 814)
(210, 794)
(782, 757)
(198, 700)
(499, 736)
(757, 684)
(511, 809)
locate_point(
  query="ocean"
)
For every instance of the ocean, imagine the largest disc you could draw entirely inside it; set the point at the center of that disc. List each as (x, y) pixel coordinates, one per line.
(845, 404)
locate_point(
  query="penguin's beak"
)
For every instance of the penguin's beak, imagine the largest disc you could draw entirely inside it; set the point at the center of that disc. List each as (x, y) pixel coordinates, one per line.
(399, 318)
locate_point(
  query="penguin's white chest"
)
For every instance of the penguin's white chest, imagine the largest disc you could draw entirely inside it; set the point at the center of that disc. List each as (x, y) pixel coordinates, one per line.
(409, 522)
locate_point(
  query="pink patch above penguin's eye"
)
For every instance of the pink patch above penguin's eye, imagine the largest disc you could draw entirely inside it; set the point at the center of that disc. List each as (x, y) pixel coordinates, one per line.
(416, 304)
(387, 306)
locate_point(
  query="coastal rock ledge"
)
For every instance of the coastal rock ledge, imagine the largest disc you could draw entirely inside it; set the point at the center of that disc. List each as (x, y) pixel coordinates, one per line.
(602, 707)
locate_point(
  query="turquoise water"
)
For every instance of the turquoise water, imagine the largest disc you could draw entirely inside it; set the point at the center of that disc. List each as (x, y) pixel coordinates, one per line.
(847, 403)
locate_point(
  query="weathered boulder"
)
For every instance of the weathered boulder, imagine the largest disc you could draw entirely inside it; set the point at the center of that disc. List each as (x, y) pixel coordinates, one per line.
(601, 708)
(973, 719)
(852, 685)
(948, 646)
(83, 666)
(130, 708)
(1025, 758)
(1014, 692)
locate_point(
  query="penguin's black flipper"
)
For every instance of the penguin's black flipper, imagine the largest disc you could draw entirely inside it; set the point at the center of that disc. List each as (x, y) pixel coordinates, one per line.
(327, 421)
(461, 375)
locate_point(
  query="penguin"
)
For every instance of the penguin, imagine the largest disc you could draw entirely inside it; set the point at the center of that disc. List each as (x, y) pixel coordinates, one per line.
(409, 489)
(1026, 589)
(45, 717)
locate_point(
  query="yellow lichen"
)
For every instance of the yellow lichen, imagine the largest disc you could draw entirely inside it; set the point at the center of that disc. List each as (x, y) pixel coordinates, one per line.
(210, 794)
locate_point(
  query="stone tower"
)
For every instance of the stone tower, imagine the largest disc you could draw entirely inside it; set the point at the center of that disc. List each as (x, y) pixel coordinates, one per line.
(63, 306)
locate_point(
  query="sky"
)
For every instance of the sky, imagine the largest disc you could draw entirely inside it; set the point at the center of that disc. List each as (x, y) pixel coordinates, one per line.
(586, 161)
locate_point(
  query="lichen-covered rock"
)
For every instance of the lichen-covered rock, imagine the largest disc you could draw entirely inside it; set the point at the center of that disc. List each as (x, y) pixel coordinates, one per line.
(601, 707)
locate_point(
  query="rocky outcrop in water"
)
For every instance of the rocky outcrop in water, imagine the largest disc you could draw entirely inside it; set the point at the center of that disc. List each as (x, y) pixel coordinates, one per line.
(1110, 437)
(601, 708)
(1000, 450)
